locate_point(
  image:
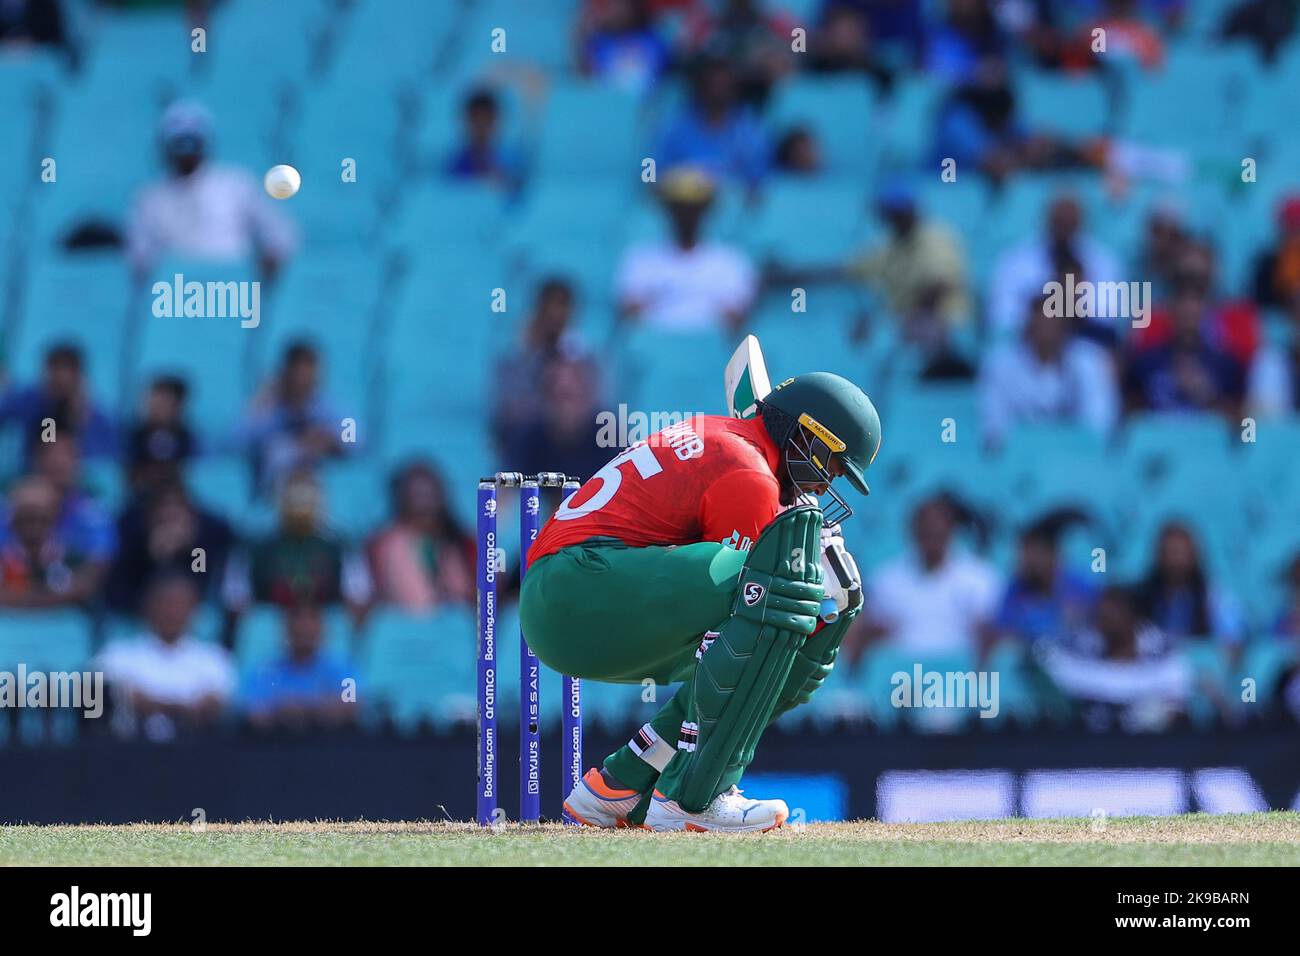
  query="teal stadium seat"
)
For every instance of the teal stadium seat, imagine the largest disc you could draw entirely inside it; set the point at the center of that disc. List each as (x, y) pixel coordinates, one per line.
(44, 640)
(810, 222)
(261, 635)
(1170, 467)
(1073, 105)
(567, 148)
(1197, 102)
(411, 39)
(83, 299)
(908, 122)
(330, 299)
(420, 670)
(538, 38)
(1051, 466)
(840, 111)
(442, 217)
(214, 354)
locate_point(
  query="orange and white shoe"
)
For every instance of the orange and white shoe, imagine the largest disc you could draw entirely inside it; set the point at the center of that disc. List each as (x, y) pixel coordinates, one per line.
(594, 803)
(730, 812)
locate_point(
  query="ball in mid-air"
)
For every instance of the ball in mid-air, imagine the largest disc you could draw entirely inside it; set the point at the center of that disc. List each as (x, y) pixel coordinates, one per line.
(282, 181)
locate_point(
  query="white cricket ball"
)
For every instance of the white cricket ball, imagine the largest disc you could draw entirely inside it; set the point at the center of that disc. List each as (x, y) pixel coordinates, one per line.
(282, 181)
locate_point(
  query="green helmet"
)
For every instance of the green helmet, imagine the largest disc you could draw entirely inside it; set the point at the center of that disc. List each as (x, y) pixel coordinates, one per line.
(819, 415)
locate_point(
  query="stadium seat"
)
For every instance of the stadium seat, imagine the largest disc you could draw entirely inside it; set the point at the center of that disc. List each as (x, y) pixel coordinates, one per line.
(1076, 106)
(420, 670)
(809, 222)
(214, 354)
(44, 640)
(908, 122)
(841, 112)
(260, 638)
(568, 149)
(82, 299)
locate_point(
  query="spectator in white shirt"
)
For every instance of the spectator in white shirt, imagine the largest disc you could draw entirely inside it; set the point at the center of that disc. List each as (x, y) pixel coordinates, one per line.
(166, 678)
(1022, 271)
(203, 209)
(1047, 376)
(935, 599)
(688, 283)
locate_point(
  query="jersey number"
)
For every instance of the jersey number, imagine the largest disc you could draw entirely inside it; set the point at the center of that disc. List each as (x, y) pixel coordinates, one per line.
(641, 457)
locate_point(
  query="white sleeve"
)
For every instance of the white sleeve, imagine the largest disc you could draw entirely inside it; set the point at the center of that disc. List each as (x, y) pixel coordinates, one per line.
(986, 590)
(142, 244)
(996, 414)
(736, 283)
(276, 234)
(1268, 387)
(1098, 391)
(635, 278)
(220, 675)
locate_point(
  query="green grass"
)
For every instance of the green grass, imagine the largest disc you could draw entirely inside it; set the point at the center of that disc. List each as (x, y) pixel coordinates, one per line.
(1263, 839)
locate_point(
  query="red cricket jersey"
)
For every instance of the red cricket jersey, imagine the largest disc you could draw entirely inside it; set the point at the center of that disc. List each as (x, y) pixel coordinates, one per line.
(709, 478)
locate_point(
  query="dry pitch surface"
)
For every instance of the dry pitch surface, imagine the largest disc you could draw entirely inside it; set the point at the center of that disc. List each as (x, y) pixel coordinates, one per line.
(1261, 839)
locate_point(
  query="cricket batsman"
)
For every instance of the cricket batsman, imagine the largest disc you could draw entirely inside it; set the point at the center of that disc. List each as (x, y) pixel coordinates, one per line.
(701, 555)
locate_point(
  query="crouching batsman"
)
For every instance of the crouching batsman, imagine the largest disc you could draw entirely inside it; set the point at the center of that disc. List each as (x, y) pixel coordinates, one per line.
(700, 555)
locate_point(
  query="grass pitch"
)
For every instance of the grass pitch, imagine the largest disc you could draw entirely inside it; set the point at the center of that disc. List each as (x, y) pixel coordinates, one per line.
(1261, 839)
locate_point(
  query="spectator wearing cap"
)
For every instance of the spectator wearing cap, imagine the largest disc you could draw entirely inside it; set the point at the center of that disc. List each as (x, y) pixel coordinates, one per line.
(714, 131)
(203, 209)
(688, 282)
(481, 155)
(1277, 271)
(303, 688)
(921, 270)
(921, 267)
(63, 398)
(167, 679)
(1048, 376)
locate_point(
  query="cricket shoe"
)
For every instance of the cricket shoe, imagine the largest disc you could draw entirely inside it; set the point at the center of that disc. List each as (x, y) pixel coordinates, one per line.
(594, 803)
(730, 812)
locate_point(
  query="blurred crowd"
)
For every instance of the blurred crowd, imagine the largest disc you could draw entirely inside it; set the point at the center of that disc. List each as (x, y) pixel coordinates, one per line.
(166, 556)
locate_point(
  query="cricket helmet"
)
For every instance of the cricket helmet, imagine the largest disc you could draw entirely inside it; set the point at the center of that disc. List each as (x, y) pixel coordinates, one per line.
(819, 416)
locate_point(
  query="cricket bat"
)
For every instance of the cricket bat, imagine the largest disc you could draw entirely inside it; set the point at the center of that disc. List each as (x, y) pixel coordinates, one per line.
(746, 379)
